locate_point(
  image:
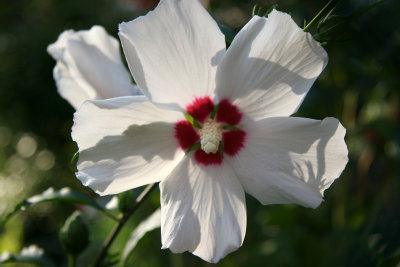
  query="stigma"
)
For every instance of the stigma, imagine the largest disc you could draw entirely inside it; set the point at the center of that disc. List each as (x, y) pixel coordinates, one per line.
(210, 136)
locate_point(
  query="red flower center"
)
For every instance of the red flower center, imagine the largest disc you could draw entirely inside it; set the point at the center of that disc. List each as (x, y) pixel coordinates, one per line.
(203, 115)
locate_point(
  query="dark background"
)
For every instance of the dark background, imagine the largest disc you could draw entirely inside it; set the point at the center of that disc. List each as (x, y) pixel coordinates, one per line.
(357, 225)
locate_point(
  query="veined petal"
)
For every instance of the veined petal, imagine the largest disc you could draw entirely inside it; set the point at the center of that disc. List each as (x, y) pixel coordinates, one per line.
(291, 160)
(96, 36)
(107, 75)
(98, 119)
(269, 67)
(202, 210)
(68, 87)
(173, 52)
(89, 66)
(143, 154)
(124, 143)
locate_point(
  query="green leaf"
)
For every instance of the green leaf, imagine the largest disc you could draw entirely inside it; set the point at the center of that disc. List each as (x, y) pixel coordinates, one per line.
(74, 235)
(111, 259)
(64, 195)
(228, 32)
(127, 200)
(31, 254)
(149, 224)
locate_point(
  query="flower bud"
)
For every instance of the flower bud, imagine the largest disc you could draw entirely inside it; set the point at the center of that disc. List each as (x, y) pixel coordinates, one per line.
(74, 235)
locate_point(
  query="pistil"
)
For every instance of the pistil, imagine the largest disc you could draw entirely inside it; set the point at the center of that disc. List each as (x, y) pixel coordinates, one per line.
(210, 136)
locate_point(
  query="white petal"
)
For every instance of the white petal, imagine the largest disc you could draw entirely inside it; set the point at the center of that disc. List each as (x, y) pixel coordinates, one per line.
(96, 36)
(89, 64)
(68, 88)
(270, 66)
(100, 118)
(203, 210)
(108, 76)
(124, 143)
(291, 160)
(142, 155)
(173, 52)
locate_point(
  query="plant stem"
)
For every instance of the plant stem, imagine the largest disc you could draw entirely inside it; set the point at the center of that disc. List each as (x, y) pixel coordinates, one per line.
(71, 260)
(308, 26)
(123, 219)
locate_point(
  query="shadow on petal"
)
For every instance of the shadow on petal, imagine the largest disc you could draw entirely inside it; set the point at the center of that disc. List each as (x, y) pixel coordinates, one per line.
(291, 160)
(132, 158)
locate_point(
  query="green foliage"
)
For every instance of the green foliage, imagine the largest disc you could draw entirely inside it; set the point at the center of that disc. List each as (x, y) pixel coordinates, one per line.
(32, 255)
(228, 32)
(261, 11)
(336, 27)
(111, 259)
(74, 235)
(127, 200)
(147, 225)
(333, 28)
(62, 195)
(75, 158)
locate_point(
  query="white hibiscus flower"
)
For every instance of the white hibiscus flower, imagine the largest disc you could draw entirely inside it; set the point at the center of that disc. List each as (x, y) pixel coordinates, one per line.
(236, 137)
(89, 66)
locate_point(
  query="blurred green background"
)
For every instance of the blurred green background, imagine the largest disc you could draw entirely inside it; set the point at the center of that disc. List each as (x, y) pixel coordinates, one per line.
(357, 225)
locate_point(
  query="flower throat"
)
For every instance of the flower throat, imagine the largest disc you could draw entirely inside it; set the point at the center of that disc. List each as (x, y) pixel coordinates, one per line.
(210, 131)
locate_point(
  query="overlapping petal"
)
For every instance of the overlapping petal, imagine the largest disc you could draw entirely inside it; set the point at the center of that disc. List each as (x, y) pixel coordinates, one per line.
(270, 66)
(291, 160)
(89, 66)
(124, 143)
(68, 87)
(173, 52)
(202, 210)
(142, 155)
(100, 118)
